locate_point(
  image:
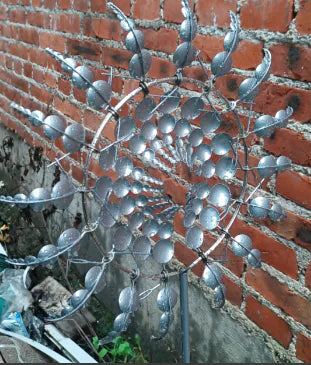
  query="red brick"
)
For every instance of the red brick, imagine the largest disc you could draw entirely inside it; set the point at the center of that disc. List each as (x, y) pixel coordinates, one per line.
(161, 68)
(41, 94)
(172, 11)
(294, 228)
(17, 16)
(50, 4)
(303, 17)
(291, 61)
(40, 57)
(63, 4)
(19, 50)
(272, 252)
(37, 3)
(106, 28)
(39, 19)
(46, 39)
(80, 5)
(65, 107)
(64, 86)
(2, 13)
(18, 67)
(98, 6)
(124, 5)
(295, 187)
(25, 2)
(155, 39)
(284, 142)
(116, 57)
(215, 12)
(69, 23)
(274, 15)
(233, 291)
(303, 348)
(85, 49)
(146, 9)
(280, 295)
(20, 83)
(29, 35)
(269, 321)
(91, 120)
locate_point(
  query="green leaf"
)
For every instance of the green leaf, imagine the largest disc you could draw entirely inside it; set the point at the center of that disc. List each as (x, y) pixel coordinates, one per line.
(124, 349)
(102, 352)
(95, 343)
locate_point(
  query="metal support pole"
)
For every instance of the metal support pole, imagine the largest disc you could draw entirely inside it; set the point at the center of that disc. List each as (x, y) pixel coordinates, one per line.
(184, 316)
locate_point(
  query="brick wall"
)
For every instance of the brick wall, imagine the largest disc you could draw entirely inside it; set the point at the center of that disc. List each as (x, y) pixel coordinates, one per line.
(277, 298)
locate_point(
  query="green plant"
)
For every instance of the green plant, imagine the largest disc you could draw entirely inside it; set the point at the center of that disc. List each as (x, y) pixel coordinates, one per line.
(122, 349)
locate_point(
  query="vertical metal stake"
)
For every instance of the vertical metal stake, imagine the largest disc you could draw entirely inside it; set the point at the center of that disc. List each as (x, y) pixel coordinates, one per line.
(184, 316)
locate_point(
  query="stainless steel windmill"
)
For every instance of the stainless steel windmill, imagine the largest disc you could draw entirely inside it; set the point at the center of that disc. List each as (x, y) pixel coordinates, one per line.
(160, 132)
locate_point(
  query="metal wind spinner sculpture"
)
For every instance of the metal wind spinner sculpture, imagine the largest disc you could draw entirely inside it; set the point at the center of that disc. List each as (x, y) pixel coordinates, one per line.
(159, 134)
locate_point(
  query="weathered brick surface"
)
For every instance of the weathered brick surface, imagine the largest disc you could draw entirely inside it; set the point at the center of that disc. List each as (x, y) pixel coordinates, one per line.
(88, 30)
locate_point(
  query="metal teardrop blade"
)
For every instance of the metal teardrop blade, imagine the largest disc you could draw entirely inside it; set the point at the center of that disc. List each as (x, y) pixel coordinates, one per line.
(220, 296)
(221, 144)
(138, 144)
(259, 207)
(166, 123)
(144, 110)
(121, 187)
(36, 195)
(219, 195)
(140, 64)
(209, 218)
(267, 166)
(127, 205)
(82, 77)
(194, 237)
(136, 220)
(149, 130)
(248, 90)
(37, 118)
(78, 297)
(74, 137)
(166, 299)
(63, 193)
(254, 258)
(141, 248)
(225, 168)
(99, 94)
(182, 128)
(125, 128)
(122, 238)
(135, 41)
(103, 187)
(121, 322)
(192, 108)
(107, 157)
(68, 65)
(92, 276)
(129, 300)
(150, 228)
(221, 64)
(212, 275)
(208, 169)
(169, 103)
(166, 230)
(241, 245)
(109, 214)
(184, 55)
(54, 127)
(163, 251)
(124, 166)
(69, 237)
